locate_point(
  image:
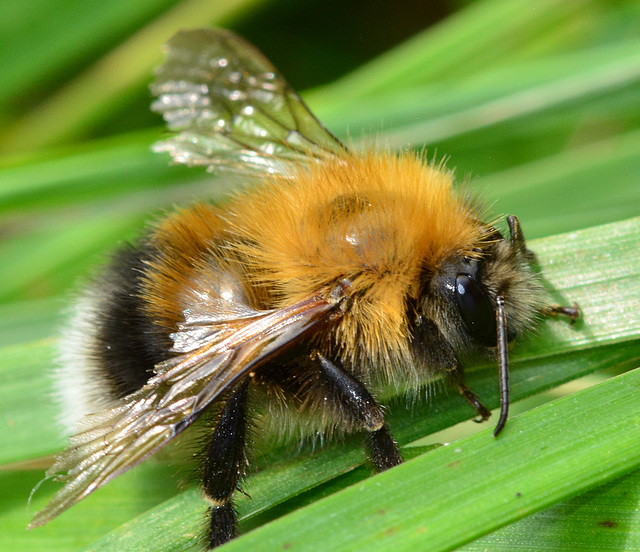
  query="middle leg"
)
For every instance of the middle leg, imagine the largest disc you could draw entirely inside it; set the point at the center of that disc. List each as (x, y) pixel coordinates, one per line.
(357, 404)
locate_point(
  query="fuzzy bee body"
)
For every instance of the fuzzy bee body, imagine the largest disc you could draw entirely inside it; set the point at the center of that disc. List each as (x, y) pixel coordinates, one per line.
(337, 279)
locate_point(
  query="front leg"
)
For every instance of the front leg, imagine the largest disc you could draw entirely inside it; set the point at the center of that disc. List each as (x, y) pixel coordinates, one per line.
(519, 244)
(357, 404)
(572, 312)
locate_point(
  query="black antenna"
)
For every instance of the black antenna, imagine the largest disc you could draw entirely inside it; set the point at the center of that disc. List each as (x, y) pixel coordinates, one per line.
(503, 364)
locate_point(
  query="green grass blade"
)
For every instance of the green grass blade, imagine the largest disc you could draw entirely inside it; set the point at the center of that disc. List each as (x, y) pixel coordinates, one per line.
(604, 519)
(28, 428)
(584, 77)
(483, 35)
(24, 321)
(92, 95)
(593, 183)
(39, 50)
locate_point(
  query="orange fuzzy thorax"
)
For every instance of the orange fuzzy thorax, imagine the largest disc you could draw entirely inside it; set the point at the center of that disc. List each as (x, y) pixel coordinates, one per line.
(363, 217)
(377, 220)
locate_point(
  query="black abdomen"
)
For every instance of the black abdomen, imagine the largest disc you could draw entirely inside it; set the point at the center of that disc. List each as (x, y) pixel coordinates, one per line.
(127, 344)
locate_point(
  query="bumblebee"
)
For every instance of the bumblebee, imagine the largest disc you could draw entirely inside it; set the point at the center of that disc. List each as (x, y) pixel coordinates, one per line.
(334, 279)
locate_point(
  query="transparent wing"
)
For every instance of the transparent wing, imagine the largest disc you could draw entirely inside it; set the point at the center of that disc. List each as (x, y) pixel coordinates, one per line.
(212, 355)
(232, 108)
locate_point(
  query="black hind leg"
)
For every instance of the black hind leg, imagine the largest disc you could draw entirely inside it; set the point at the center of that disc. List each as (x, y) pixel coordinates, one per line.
(224, 467)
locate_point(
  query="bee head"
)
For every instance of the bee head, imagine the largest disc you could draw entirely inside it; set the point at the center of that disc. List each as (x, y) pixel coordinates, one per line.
(461, 297)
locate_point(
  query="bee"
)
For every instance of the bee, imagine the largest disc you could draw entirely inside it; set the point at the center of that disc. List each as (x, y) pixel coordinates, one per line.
(333, 279)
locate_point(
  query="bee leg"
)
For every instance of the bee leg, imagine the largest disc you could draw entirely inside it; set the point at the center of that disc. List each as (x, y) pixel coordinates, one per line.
(519, 244)
(383, 449)
(358, 405)
(224, 467)
(456, 376)
(572, 312)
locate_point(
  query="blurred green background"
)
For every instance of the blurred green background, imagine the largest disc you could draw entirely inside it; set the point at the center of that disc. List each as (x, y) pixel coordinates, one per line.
(536, 103)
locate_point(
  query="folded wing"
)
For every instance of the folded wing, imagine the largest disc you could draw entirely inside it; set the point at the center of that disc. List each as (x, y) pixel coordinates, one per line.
(211, 357)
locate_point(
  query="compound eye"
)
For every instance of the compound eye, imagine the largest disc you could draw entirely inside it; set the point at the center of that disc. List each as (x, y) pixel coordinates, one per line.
(476, 310)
